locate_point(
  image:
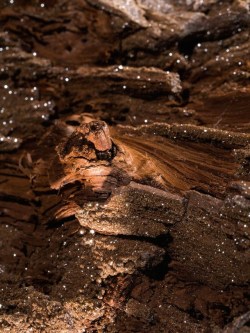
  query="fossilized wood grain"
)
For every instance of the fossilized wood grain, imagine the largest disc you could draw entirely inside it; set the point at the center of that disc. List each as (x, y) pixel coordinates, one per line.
(143, 226)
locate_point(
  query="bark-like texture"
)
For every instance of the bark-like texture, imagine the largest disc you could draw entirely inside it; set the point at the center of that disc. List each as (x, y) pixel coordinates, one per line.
(124, 166)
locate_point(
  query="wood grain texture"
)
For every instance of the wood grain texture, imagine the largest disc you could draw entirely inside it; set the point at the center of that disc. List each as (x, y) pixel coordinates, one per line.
(124, 166)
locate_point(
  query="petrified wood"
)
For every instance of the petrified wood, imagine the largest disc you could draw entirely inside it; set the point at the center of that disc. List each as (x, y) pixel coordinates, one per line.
(124, 167)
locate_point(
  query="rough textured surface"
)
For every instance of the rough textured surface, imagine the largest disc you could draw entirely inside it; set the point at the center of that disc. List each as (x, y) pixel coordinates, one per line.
(124, 166)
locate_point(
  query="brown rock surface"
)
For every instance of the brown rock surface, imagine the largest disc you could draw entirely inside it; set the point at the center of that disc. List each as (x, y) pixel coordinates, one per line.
(124, 166)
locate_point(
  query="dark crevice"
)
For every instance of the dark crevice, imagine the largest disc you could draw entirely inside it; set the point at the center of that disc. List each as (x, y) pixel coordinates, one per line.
(159, 271)
(19, 200)
(187, 44)
(55, 224)
(161, 240)
(196, 314)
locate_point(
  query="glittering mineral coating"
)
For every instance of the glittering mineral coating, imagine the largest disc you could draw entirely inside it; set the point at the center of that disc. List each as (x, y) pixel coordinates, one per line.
(145, 229)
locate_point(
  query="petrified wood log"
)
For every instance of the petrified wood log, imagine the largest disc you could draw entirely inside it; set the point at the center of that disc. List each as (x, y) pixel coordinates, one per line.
(124, 167)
